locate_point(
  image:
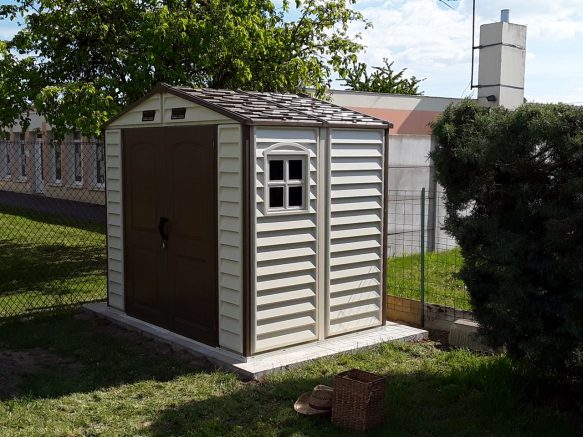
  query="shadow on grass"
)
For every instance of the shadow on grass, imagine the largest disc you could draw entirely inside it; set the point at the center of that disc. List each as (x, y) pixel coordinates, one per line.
(53, 269)
(428, 392)
(92, 355)
(489, 399)
(16, 214)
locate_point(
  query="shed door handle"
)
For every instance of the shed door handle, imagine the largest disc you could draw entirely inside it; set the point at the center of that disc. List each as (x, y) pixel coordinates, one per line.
(161, 226)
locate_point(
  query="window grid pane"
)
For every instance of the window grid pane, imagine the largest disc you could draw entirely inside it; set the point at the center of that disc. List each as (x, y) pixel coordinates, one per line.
(285, 183)
(276, 170)
(276, 197)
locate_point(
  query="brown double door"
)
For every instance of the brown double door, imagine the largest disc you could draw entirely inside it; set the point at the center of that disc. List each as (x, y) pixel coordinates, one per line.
(169, 189)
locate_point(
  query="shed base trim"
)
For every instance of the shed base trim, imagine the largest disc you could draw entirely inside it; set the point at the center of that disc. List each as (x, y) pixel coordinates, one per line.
(261, 365)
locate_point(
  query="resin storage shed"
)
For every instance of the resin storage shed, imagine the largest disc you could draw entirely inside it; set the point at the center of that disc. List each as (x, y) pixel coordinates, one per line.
(246, 221)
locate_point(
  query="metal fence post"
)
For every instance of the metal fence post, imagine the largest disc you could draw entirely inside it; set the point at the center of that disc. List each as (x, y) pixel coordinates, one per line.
(422, 266)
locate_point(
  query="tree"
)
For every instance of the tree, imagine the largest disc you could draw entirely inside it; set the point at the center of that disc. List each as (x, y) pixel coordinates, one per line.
(514, 184)
(383, 79)
(82, 61)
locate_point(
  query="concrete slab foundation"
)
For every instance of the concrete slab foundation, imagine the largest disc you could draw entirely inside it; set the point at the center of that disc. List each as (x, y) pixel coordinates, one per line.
(463, 333)
(263, 364)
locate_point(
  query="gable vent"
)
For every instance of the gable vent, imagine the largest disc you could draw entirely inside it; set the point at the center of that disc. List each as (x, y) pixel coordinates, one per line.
(148, 115)
(178, 113)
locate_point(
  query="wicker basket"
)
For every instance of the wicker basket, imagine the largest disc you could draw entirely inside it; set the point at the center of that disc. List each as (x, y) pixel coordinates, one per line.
(358, 400)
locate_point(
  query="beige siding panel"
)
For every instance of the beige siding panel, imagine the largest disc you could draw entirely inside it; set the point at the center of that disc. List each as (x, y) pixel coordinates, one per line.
(272, 341)
(230, 229)
(116, 298)
(285, 253)
(355, 217)
(114, 219)
(285, 222)
(278, 267)
(340, 286)
(194, 113)
(134, 116)
(349, 298)
(288, 295)
(354, 257)
(355, 230)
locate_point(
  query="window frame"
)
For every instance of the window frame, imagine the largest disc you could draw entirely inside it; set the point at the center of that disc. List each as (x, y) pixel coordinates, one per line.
(97, 145)
(22, 157)
(59, 180)
(286, 156)
(77, 142)
(6, 164)
(39, 141)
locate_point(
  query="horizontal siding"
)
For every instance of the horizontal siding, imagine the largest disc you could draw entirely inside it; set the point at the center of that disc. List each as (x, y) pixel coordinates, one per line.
(230, 213)
(285, 254)
(355, 230)
(163, 103)
(115, 265)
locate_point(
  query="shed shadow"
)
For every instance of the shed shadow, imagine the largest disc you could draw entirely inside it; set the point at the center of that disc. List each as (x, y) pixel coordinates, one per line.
(481, 401)
(52, 356)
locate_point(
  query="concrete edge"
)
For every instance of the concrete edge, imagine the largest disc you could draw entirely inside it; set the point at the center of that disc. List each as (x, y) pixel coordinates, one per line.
(224, 359)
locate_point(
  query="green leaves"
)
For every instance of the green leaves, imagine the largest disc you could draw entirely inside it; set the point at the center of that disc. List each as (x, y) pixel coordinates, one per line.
(513, 181)
(79, 63)
(383, 79)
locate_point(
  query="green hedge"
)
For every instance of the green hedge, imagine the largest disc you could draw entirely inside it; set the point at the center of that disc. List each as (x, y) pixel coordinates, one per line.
(514, 186)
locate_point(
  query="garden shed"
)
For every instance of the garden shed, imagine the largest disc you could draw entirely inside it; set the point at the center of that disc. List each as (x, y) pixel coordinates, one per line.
(246, 221)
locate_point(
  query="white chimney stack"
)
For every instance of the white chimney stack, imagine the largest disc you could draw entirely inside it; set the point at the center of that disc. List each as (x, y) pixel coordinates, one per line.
(502, 63)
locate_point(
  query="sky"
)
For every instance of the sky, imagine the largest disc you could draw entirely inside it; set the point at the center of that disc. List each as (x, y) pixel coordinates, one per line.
(433, 41)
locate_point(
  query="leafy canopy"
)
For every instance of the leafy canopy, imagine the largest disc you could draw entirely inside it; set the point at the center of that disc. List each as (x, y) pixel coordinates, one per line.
(78, 63)
(514, 185)
(382, 79)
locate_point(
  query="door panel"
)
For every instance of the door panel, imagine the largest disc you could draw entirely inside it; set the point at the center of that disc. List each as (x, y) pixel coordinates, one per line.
(171, 173)
(145, 262)
(192, 249)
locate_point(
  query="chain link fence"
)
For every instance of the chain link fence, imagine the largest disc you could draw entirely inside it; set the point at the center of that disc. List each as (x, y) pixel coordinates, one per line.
(424, 260)
(52, 224)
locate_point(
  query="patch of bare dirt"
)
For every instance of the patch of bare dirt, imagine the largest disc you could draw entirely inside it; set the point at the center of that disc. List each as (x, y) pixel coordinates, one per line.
(440, 339)
(16, 364)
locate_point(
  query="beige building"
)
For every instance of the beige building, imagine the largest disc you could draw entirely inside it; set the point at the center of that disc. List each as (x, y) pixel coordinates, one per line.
(31, 162)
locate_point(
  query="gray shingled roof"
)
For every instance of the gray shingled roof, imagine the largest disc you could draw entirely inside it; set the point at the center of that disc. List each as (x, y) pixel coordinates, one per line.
(256, 108)
(275, 109)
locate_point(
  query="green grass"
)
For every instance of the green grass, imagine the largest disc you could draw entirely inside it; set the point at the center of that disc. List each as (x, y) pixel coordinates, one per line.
(108, 383)
(48, 261)
(441, 285)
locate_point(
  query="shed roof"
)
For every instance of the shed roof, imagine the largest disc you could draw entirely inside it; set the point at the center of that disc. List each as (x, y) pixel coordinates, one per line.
(265, 108)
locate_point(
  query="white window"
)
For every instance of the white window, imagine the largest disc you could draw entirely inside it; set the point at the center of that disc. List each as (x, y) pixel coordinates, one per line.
(22, 150)
(38, 153)
(78, 158)
(286, 183)
(99, 163)
(5, 171)
(57, 162)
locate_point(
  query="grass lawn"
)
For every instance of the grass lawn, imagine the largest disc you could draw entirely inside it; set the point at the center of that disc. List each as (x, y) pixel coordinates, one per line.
(79, 376)
(441, 286)
(48, 261)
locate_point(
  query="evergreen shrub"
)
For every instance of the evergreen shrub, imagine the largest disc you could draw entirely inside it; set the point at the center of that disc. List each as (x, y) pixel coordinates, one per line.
(514, 187)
